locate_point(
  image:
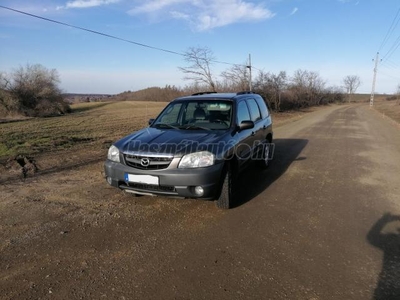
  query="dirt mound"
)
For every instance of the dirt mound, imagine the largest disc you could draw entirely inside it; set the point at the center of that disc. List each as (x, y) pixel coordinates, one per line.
(21, 165)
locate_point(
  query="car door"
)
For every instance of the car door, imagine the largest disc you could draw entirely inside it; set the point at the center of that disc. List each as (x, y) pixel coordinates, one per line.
(265, 115)
(256, 117)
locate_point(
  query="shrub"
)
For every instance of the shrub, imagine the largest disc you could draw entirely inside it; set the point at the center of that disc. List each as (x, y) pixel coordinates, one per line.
(33, 91)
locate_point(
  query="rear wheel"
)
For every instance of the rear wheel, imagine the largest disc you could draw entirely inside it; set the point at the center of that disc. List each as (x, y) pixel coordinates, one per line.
(227, 195)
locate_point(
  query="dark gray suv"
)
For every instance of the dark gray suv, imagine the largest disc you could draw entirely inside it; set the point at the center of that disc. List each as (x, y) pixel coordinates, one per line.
(195, 148)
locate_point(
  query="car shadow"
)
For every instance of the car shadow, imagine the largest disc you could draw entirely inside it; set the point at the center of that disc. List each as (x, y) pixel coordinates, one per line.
(388, 286)
(254, 181)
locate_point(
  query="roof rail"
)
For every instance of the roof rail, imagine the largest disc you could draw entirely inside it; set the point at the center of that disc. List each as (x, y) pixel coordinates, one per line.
(245, 92)
(203, 93)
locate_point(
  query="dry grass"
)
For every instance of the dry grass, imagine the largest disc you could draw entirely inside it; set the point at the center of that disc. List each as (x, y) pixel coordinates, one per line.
(282, 118)
(390, 109)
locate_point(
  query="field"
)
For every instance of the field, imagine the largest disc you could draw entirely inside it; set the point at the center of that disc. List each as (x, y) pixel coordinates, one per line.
(89, 124)
(389, 109)
(70, 140)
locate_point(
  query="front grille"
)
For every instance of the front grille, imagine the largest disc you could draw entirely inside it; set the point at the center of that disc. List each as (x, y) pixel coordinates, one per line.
(147, 162)
(152, 188)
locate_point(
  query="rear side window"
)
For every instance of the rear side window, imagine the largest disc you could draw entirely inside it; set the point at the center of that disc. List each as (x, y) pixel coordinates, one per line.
(254, 110)
(263, 107)
(243, 113)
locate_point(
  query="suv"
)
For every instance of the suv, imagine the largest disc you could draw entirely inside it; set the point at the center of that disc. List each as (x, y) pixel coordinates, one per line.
(195, 148)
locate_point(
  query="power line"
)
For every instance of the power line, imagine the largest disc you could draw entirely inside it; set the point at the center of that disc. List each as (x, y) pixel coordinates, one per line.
(91, 31)
(390, 65)
(391, 76)
(391, 29)
(394, 47)
(396, 43)
(394, 64)
(107, 35)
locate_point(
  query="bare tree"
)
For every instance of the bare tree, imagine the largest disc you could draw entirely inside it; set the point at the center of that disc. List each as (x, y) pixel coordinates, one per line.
(261, 86)
(33, 83)
(199, 70)
(299, 78)
(307, 88)
(237, 77)
(351, 84)
(278, 84)
(271, 87)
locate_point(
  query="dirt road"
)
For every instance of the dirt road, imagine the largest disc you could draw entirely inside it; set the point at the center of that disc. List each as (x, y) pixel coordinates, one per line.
(320, 223)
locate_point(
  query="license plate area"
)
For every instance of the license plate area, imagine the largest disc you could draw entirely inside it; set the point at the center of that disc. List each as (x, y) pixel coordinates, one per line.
(146, 179)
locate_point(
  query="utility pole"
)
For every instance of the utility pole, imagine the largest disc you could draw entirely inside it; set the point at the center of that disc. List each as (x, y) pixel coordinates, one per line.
(371, 101)
(249, 67)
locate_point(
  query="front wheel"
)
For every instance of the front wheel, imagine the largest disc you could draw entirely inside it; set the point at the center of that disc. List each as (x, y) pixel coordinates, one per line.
(226, 198)
(266, 155)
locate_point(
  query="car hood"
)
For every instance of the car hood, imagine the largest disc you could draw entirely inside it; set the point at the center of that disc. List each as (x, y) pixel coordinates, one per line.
(173, 141)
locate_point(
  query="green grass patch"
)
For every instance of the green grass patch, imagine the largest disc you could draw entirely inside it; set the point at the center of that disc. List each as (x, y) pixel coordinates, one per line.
(4, 150)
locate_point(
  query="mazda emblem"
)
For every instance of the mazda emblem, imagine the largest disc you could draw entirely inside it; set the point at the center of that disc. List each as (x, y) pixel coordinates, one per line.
(145, 162)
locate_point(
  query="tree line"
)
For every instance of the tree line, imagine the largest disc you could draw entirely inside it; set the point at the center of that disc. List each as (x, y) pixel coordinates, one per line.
(282, 92)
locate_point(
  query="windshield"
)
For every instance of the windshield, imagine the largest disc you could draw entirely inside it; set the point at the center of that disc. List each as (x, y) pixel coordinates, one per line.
(195, 115)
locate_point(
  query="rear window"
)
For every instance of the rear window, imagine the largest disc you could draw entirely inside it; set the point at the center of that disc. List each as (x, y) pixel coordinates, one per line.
(263, 107)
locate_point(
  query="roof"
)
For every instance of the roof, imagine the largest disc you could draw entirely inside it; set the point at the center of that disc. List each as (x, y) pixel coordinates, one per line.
(212, 96)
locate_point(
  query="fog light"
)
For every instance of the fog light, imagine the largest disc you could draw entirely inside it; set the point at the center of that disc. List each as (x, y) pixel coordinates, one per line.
(199, 190)
(109, 180)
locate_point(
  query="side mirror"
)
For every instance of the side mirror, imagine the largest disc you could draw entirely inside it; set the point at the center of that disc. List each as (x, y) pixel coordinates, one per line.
(246, 125)
(151, 121)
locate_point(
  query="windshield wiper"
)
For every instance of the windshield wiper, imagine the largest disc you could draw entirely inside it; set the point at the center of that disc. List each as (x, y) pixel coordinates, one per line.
(164, 125)
(193, 126)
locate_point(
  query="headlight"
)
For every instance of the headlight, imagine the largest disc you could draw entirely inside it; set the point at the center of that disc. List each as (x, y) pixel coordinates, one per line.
(113, 154)
(197, 160)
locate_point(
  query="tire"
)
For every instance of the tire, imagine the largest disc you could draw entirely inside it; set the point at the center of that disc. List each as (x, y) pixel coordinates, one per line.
(227, 195)
(265, 156)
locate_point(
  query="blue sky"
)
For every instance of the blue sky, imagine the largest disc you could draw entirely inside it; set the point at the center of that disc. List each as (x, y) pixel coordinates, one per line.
(335, 38)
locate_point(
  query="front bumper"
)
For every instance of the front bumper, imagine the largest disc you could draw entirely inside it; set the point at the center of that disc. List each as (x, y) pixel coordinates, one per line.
(172, 181)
